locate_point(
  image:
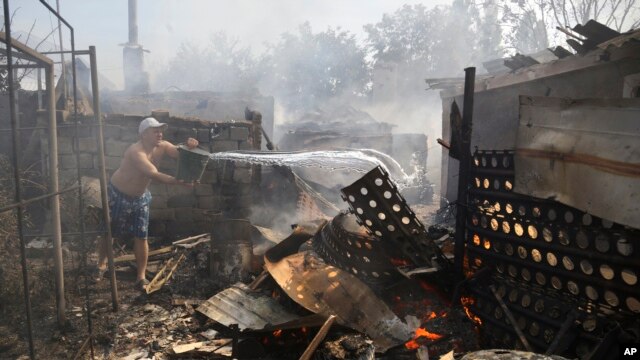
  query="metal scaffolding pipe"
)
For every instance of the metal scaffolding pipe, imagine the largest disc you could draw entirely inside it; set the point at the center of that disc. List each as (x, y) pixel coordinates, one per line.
(55, 199)
(16, 175)
(24, 203)
(133, 22)
(103, 175)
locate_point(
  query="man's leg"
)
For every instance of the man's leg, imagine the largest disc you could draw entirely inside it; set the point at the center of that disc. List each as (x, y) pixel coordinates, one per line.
(141, 252)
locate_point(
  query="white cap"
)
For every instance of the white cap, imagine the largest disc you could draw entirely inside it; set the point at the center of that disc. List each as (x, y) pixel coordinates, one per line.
(150, 123)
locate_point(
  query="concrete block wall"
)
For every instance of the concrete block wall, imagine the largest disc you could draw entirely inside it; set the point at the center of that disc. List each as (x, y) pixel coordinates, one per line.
(176, 210)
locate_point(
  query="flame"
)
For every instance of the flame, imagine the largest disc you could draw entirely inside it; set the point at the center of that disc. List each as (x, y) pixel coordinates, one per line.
(466, 303)
(398, 262)
(277, 333)
(421, 332)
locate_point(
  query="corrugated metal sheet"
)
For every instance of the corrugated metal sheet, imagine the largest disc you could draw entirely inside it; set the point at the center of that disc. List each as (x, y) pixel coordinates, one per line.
(582, 153)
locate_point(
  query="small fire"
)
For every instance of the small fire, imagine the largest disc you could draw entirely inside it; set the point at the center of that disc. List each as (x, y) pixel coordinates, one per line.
(399, 262)
(421, 333)
(277, 333)
(466, 303)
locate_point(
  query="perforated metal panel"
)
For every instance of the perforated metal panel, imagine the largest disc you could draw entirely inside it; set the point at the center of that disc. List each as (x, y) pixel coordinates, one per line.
(546, 255)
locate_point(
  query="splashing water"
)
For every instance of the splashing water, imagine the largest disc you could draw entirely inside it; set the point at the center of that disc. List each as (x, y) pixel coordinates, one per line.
(360, 161)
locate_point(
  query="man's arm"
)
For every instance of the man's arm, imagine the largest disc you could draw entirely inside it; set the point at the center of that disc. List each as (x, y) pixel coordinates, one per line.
(172, 150)
(146, 167)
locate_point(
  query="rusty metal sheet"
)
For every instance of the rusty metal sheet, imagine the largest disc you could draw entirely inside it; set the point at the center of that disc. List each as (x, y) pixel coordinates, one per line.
(327, 290)
(249, 309)
(582, 153)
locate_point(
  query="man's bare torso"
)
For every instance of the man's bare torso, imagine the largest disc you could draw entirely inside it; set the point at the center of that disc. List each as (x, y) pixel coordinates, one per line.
(128, 178)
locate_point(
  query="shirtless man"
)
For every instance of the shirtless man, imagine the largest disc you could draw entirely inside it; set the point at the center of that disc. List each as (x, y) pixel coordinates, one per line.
(129, 198)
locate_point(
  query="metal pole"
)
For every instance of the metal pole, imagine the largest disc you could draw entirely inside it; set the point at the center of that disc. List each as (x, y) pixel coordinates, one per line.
(55, 199)
(463, 172)
(65, 91)
(133, 22)
(16, 175)
(103, 175)
(39, 72)
(24, 203)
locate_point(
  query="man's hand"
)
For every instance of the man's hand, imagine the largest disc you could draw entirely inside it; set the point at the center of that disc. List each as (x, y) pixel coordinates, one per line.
(192, 143)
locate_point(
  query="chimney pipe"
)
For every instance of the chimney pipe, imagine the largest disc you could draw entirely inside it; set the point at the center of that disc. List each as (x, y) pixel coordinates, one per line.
(133, 22)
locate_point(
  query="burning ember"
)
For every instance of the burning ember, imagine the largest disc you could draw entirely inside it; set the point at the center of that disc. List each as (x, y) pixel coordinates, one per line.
(466, 303)
(399, 262)
(416, 342)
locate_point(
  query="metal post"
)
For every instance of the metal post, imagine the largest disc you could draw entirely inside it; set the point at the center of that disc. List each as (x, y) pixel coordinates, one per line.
(65, 91)
(103, 175)
(16, 175)
(133, 22)
(463, 172)
(55, 200)
(39, 73)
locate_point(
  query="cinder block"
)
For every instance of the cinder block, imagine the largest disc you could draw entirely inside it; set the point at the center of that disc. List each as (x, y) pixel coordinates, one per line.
(67, 161)
(162, 214)
(112, 162)
(209, 177)
(209, 202)
(238, 133)
(157, 188)
(184, 214)
(130, 135)
(65, 146)
(115, 147)
(203, 136)
(156, 227)
(224, 145)
(86, 161)
(87, 145)
(220, 133)
(159, 201)
(204, 189)
(111, 132)
(182, 201)
(245, 145)
(242, 175)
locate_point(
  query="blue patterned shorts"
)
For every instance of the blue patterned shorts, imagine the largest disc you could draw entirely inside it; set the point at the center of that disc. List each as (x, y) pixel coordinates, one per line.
(129, 214)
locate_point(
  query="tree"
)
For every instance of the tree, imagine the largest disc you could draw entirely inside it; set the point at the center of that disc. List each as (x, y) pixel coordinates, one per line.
(221, 66)
(307, 68)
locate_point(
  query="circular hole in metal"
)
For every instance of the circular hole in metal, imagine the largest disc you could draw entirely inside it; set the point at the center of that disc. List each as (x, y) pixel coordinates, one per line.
(494, 161)
(358, 244)
(373, 203)
(556, 283)
(486, 244)
(629, 277)
(547, 235)
(539, 306)
(534, 329)
(368, 222)
(476, 161)
(606, 272)
(378, 182)
(485, 183)
(512, 271)
(500, 268)
(382, 216)
(589, 324)
(582, 240)
(476, 240)
(548, 335)
(508, 185)
(536, 212)
(494, 224)
(563, 237)
(505, 161)
(573, 288)
(568, 217)
(540, 278)
(552, 259)
(478, 262)
(513, 295)
(611, 298)
(526, 301)
(359, 211)
(474, 220)
(391, 228)
(591, 292)
(522, 252)
(351, 198)
(508, 249)
(508, 208)
(364, 191)
(498, 313)
(378, 233)
(586, 267)
(387, 194)
(602, 243)
(484, 161)
(477, 181)
(496, 184)
(633, 304)
(532, 232)
(406, 220)
(518, 229)
(396, 208)
(567, 263)
(551, 215)
(607, 224)
(522, 211)
(587, 219)
(624, 247)
(496, 206)
(506, 228)
(375, 274)
(526, 275)
(536, 255)
(368, 245)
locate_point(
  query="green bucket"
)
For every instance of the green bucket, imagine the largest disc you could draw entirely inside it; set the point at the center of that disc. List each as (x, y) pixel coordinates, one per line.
(191, 163)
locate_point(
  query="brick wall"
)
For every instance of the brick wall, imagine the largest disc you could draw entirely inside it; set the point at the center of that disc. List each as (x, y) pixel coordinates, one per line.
(175, 210)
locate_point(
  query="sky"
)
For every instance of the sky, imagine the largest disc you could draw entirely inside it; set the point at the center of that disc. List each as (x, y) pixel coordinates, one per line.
(165, 24)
